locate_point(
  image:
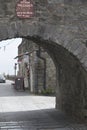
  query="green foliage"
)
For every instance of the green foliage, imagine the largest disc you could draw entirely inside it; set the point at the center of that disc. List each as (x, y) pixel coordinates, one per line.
(48, 91)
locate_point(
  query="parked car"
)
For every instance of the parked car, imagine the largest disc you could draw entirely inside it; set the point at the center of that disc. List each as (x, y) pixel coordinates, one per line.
(2, 79)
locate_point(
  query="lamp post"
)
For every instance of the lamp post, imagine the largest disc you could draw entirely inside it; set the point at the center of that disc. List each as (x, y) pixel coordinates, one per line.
(15, 68)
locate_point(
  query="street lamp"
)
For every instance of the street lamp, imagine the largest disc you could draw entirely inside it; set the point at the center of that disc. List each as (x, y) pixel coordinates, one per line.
(15, 68)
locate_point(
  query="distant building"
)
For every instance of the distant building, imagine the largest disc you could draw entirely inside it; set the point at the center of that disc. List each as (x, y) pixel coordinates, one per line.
(36, 66)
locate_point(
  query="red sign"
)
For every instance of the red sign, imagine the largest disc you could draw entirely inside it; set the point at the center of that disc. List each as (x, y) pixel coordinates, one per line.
(25, 9)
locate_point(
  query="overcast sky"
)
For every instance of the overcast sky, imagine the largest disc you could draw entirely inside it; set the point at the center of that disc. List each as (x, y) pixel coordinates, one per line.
(8, 51)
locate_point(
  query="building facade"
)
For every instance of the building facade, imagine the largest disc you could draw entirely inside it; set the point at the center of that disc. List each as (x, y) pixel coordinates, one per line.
(37, 67)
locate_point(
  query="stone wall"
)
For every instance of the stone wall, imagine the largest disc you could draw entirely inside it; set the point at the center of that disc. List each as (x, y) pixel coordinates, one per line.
(51, 82)
(60, 26)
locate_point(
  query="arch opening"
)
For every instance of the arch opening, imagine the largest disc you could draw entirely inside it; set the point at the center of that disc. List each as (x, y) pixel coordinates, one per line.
(60, 28)
(8, 94)
(71, 79)
(71, 76)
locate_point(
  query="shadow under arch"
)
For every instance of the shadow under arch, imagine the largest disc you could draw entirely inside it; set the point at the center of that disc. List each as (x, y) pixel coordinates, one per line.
(71, 78)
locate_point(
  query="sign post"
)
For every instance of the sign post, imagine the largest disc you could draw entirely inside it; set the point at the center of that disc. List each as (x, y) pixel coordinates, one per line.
(25, 9)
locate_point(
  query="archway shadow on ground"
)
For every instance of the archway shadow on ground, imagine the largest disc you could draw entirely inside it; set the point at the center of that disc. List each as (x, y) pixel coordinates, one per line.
(40, 119)
(49, 119)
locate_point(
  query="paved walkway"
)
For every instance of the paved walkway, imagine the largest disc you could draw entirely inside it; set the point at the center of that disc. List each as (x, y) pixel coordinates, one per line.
(23, 111)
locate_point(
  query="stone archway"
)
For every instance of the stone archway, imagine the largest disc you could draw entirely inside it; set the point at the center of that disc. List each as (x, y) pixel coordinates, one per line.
(70, 64)
(60, 27)
(71, 78)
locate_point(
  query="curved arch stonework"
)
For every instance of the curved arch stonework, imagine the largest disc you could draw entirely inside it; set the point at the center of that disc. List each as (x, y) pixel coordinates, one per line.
(61, 28)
